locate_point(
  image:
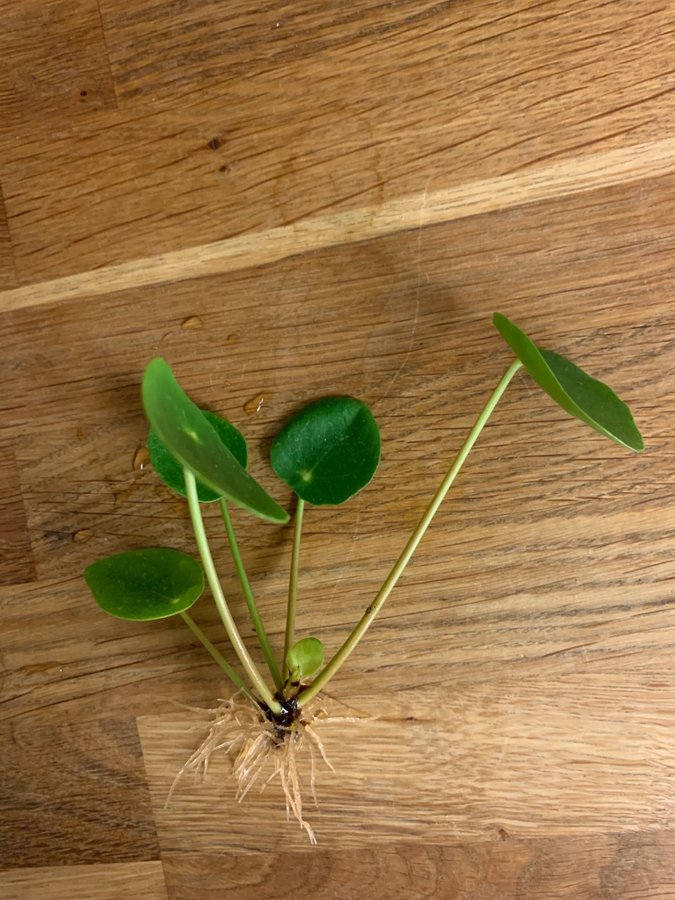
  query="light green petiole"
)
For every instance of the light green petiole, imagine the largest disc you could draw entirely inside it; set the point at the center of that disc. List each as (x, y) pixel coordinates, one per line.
(217, 656)
(289, 639)
(250, 667)
(366, 620)
(248, 595)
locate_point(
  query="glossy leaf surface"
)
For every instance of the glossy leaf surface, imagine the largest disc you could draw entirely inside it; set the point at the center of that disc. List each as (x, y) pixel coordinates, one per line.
(171, 471)
(305, 658)
(192, 440)
(145, 584)
(328, 451)
(577, 393)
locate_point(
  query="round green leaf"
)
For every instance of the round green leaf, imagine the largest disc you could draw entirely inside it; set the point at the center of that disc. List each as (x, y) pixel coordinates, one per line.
(145, 584)
(192, 440)
(305, 658)
(577, 393)
(328, 451)
(171, 471)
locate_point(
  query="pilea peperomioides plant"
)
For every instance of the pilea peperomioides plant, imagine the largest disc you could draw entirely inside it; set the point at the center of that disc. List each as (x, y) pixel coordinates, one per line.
(326, 453)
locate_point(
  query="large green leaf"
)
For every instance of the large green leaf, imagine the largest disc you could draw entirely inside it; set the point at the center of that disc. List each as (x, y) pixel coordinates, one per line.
(577, 393)
(305, 658)
(193, 441)
(328, 451)
(170, 470)
(145, 584)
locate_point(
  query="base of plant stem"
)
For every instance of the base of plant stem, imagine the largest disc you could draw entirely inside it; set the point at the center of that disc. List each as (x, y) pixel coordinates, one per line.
(284, 720)
(262, 747)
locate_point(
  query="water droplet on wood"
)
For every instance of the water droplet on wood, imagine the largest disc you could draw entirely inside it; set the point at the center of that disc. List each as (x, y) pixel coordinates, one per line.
(141, 459)
(254, 405)
(82, 535)
(191, 323)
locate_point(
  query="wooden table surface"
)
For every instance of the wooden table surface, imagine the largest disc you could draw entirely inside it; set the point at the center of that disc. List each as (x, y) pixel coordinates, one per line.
(294, 199)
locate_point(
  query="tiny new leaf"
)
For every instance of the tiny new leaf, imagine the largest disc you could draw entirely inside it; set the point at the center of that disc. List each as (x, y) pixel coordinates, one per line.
(305, 658)
(171, 471)
(328, 451)
(193, 441)
(577, 393)
(145, 584)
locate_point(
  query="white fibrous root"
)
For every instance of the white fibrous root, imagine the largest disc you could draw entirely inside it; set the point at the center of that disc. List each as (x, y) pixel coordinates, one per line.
(262, 750)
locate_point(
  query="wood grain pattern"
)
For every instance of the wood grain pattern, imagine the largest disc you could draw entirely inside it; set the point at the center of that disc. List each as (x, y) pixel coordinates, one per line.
(620, 867)
(73, 794)
(442, 766)
(305, 199)
(570, 177)
(53, 64)
(16, 554)
(122, 881)
(332, 110)
(7, 273)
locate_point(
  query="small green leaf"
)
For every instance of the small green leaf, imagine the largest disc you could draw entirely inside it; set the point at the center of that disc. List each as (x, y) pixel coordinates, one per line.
(145, 584)
(193, 441)
(576, 392)
(171, 471)
(305, 658)
(328, 451)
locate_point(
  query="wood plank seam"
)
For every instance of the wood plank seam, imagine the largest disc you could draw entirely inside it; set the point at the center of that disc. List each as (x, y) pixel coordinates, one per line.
(8, 273)
(526, 187)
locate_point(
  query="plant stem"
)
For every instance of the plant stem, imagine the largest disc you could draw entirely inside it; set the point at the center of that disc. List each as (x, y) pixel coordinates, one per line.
(289, 639)
(403, 560)
(224, 665)
(250, 667)
(248, 594)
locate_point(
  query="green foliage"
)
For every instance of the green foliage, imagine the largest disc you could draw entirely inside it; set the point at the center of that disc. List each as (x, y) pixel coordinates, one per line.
(193, 441)
(576, 392)
(328, 451)
(171, 471)
(145, 584)
(305, 658)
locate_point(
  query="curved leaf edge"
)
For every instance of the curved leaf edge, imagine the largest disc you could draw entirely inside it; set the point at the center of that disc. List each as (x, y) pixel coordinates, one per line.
(276, 515)
(92, 570)
(502, 324)
(305, 411)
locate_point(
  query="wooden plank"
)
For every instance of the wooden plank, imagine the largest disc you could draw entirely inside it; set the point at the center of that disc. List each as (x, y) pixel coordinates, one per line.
(123, 881)
(530, 756)
(328, 117)
(574, 176)
(623, 867)
(16, 554)
(53, 64)
(74, 793)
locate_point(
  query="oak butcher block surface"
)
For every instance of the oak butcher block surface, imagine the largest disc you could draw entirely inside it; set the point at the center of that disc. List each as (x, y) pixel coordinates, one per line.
(297, 199)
